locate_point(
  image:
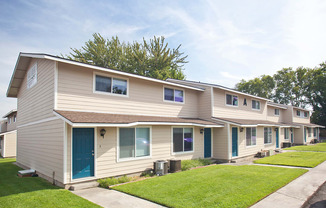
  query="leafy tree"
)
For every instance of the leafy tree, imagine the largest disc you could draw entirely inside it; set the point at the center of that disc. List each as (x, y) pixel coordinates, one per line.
(262, 86)
(151, 58)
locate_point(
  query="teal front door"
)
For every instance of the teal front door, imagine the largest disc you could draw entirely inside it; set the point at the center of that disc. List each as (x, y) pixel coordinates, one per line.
(82, 152)
(234, 141)
(277, 139)
(207, 142)
(305, 135)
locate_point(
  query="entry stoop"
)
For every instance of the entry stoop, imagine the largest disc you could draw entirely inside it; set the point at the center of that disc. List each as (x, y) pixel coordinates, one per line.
(82, 185)
(244, 159)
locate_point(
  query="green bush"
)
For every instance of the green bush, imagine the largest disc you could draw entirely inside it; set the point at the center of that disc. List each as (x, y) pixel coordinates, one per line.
(188, 164)
(106, 182)
(147, 174)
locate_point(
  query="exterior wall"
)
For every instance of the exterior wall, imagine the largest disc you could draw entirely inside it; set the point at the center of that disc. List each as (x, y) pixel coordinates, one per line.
(220, 143)
(106, 153)
(37, 103)
(205, 104)
(12, 125)
(298, 119)
(271, 114)
(3, 126)
(288, 115)
(299, 135)
(75, 92)
(40, 147)
(251, 150)
(282, 136)
(311, 135)
(2, 145)
(240, 112)
(10, 144)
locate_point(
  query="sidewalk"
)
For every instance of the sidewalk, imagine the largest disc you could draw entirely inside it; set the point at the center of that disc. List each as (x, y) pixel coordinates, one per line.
(296, 193)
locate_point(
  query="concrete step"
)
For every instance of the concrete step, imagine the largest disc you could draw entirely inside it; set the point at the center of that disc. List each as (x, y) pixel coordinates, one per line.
(82, 185)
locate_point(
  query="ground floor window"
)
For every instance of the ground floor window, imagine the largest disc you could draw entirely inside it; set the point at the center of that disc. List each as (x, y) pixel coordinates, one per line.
(315, 132)
(134, 142)
(309, 132)
(267, 135)
(251, 135)
(183, 139)
(286, 134)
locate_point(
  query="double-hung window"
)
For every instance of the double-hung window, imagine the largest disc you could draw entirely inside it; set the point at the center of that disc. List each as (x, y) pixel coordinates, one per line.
(251, 135)
(298, 113)
(309, 132)
(134, 143)
(276, 112)
(183, 140)
(14, 118)
(173, 95)
(255, 104)
(267, 135)
(110, 85)
(286, 133)
(231, 100)
(315, 132)
(306, 114)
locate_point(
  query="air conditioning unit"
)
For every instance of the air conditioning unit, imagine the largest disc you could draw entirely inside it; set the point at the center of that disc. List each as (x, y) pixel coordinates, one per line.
(161, 167)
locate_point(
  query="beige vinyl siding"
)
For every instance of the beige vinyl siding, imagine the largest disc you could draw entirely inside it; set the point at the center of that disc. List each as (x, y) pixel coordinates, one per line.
(220, 143)
(13, 125)
(40, 147)
(2, 145)
(205, 104)
(251, 150)
(288, 115)
(299, 135)
(271, 114)
(75, 92)
(37, 103)
(3, 126)
(106, 156)
(240, 112)
(10, 144)
(297, 119)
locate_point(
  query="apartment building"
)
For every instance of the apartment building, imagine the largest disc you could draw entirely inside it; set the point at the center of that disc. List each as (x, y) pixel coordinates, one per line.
(8, 135)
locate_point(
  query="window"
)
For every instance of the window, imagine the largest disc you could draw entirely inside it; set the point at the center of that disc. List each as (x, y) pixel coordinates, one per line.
(173, 95)
(32, 76)
(255, 105)
(9, 120)
(267, 135)
(245, 101)
(298, 113)
(286, 133)
(110, 85)
(251, 136)
(306, 114)
(183, 139)
(315, 132)
(14, 118)
(276, 112)
(309, 132)
(231, 100)
(134, 142)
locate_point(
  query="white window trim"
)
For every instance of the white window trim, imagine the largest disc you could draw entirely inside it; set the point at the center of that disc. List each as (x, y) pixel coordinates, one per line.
(252, 107)
(193, 140)
(267, 135)
(249, 146)
(36, 74)
(112, 77)
(279, 112)
(233, 95)
(289, 133)
(134, 158)
(172, 88)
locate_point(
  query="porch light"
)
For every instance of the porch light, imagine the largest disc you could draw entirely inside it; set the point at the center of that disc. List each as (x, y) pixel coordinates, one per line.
(201, 131)
(103, 131)
(275, 129)
(241, 129)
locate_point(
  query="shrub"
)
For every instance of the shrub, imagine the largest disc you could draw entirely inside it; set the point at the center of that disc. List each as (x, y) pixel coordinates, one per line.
(188, 164)
(106, 182)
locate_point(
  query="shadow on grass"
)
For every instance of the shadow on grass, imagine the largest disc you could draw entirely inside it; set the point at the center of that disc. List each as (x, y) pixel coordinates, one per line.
(12, 184)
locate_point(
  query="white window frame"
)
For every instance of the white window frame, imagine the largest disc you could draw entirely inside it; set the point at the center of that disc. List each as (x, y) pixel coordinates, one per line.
(134, 158)
(252, 106)
(112, 77)
(288, 133)
(31, 78)
(174, 89)
(251, 136)
(278, 110)
(233, 95)
(271, 135)
(193, 140)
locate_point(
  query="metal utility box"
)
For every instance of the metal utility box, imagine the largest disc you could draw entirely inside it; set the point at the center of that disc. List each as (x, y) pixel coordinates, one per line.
(286, 144)
(175, 166)
(161, 167)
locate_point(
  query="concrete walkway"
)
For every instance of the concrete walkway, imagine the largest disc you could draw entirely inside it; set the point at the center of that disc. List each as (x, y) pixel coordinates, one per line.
(113, 199)
(296, 193)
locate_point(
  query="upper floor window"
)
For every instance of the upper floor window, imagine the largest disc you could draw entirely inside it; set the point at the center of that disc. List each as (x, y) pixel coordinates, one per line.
(32, 76)
(251, 135)
(173, 95)
(110, 85)
(302, 114)
(267, 135)
(231, 100)
(255, 104)
(14, 118)
(276, 112)
(9, 120)
(306, 114)
(245, 101)
(298, 113)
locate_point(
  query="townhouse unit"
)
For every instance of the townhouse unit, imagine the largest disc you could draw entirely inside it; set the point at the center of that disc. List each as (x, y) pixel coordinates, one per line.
(8, 135)
(78, 122)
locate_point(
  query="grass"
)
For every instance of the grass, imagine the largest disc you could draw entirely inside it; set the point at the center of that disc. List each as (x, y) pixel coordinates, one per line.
(188, 164)
(299, 159)
(320, 147)
(33, 191)
(213, 186)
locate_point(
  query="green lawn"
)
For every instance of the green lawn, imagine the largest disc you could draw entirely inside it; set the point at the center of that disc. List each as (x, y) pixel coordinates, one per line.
(213, 186)
(33, 192)
(320, 147)
(300, 159)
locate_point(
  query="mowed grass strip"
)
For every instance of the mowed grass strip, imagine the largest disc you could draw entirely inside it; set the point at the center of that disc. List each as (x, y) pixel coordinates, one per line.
(299, 159)
(33, 191)
(213, 186)
(320, 147)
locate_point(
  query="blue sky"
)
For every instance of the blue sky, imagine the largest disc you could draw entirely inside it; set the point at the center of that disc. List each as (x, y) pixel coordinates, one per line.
(225, 40)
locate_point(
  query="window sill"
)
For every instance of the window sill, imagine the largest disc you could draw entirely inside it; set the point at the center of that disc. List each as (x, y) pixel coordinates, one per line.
(251, 146)
(182, 153)
(173, 102)
(110, 94)
(234, 106)
(268, 144)
(134, 158)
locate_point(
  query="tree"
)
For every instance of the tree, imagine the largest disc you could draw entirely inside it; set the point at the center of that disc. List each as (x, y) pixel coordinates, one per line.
(151, 58)
(262, 86)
